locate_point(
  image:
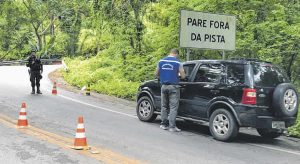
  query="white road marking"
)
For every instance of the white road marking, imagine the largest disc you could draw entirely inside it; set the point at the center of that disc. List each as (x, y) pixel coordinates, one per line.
(94, 106)
(277, 149)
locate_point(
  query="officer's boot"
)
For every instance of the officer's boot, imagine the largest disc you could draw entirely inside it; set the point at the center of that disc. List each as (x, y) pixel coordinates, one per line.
(38, 90)
(33, 90)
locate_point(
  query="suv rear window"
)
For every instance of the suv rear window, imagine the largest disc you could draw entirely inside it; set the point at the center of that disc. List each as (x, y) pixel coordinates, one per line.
(267, 75)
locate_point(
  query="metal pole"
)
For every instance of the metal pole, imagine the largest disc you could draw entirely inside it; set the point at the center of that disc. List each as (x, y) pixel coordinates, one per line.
(188, 54)
(223, 55)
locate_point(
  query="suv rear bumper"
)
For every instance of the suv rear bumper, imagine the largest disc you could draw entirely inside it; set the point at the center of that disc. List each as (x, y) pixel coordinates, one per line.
(260, 117)
(266, 121)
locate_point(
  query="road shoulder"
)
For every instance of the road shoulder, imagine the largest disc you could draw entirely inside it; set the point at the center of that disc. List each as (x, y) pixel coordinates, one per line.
(56, 76)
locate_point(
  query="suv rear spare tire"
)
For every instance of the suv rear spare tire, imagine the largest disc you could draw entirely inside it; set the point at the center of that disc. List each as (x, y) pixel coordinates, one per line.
(285, 100)
(145, 109)
(222, 125)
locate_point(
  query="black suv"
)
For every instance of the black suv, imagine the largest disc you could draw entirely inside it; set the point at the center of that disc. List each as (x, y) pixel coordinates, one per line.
(229, 94)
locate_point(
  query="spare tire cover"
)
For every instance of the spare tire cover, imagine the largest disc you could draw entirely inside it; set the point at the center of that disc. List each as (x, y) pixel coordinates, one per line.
(285, 100)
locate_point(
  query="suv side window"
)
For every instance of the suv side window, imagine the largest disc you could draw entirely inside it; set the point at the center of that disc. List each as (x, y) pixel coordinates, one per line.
(235, 74)
(210, 73)
(188, 69)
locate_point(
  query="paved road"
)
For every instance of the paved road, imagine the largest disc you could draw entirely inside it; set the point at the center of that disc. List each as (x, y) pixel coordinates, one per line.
(112, 125)
(18, 148)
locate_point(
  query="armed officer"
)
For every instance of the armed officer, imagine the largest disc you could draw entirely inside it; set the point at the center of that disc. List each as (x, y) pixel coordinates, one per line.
(35, 72)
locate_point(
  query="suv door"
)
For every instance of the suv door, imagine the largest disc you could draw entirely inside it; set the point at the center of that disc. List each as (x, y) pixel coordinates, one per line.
(156, 89)
(235, 81)
(204, 87)
(189, 71)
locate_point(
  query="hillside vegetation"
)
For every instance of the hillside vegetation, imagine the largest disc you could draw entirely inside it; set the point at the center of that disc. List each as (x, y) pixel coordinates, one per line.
(114, 45)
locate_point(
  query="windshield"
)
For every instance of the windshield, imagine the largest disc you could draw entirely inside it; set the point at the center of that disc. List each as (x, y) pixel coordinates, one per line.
(267, 75)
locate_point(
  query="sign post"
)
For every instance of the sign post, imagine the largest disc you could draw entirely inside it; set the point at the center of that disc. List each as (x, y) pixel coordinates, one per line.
(207, 31)
(188, 53)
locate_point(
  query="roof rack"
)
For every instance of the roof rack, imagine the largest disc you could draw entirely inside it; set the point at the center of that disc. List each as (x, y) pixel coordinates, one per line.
(250, 59)
(246, 59)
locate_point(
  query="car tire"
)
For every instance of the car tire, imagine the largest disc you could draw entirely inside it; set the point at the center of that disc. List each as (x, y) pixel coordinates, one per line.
(269, 133)
(145, 109)
(285, 100)
(223, 125)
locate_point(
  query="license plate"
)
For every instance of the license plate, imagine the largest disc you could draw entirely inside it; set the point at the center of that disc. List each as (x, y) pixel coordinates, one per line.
(278, 124)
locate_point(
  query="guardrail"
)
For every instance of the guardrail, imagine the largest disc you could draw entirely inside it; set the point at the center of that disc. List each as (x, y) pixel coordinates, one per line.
(22, 62)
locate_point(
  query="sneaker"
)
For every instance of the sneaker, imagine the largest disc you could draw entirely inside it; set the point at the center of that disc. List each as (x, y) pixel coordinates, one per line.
(39, 92)
(174, 129)
(164, 127)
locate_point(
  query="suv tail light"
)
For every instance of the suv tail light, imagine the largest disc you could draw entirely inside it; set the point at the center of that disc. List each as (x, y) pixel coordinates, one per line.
(249, 96)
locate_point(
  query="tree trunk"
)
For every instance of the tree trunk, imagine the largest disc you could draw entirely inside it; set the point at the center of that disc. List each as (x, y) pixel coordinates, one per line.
(139, 30)
(52, 28)
(290, 64)
(39, 41)
(138, 23)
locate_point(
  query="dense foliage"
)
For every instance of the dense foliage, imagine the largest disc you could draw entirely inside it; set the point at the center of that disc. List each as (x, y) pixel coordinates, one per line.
(115, 44)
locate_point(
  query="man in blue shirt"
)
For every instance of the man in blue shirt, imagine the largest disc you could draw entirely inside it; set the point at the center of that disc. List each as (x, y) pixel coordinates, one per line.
(168, 71)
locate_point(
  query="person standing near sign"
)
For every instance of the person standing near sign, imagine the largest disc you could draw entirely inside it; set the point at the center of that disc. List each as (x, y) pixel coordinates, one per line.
(35, 72)
(167, 71)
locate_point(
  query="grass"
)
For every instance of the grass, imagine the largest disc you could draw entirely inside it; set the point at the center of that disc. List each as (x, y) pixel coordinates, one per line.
(111, 75)
(102, 79)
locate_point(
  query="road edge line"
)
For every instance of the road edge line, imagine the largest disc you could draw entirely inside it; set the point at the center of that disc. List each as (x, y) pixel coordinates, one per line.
(94, 106)
(276, 149)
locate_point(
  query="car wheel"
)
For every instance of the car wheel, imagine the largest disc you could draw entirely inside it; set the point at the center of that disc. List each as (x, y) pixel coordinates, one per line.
(285, 100)
(145, 109)
(269, 133)
(223, 125)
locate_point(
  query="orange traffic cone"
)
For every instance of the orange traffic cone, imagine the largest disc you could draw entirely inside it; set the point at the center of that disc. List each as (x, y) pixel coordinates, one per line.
(80, 142)
(54, 90)
(22, 121)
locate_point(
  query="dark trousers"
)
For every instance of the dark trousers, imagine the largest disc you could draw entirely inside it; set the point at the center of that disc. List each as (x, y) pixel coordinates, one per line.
(170, 95)
(35, 77)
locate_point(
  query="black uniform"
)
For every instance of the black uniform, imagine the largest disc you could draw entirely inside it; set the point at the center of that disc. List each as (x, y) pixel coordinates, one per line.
(36, 68)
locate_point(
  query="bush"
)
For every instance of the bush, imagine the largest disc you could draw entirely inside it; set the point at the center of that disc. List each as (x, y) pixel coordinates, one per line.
(295, 130)
(111, 75)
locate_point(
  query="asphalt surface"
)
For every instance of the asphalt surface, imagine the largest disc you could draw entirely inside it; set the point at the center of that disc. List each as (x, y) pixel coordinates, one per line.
(113, 125)
(18, 148)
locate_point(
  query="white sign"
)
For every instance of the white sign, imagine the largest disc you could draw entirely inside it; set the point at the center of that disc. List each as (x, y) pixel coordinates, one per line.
(207, 31)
